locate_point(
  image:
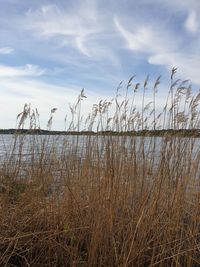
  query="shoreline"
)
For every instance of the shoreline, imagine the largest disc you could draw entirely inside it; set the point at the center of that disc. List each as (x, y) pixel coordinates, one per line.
(155, 133)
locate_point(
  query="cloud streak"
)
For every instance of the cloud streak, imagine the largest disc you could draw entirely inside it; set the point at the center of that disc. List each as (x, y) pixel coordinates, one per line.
(6, 50)
(81, 29)
(41, 95)
(76, 27)
(163, 49)
(27, 70)
(145, 39)
(191, 23)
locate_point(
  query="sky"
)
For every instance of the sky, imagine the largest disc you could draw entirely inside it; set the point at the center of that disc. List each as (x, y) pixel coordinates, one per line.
(50, 50)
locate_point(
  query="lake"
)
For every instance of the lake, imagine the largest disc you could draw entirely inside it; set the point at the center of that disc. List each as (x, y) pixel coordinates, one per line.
(27, 145)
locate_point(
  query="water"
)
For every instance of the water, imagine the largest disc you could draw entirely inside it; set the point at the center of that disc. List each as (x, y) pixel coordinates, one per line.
(56, 152)
(31, 147)
(12, 144)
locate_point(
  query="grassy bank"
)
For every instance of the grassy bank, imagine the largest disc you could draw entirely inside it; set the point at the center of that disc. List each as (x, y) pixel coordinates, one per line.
(105, 200)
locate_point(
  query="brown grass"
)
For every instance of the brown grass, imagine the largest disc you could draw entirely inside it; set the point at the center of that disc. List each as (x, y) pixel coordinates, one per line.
(104, 200)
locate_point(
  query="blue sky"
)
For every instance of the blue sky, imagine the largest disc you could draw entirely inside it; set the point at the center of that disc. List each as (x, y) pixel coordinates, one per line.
(50, 50)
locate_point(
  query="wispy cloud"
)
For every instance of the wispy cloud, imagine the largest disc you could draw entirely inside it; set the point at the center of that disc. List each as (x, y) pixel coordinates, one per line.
(164, 49)
(82, 28)
(27, 70)
(188, 64)
(44, 96)
(191, 23)
(6, 50)
(145, 39)
(74, 27)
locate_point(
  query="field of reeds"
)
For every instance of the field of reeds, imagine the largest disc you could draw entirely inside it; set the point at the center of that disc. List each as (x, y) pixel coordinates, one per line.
(104, 199)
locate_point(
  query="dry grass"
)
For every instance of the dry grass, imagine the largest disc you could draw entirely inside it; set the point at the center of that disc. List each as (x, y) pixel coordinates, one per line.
(105, 200)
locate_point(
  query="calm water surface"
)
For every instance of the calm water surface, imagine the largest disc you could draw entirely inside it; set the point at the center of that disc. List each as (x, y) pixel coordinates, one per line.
(27, 144)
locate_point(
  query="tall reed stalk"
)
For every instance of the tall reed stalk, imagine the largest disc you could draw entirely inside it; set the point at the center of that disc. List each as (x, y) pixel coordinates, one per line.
(105, 199)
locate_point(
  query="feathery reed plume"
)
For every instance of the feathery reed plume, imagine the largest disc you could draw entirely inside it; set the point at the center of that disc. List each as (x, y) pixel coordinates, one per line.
(121, 193)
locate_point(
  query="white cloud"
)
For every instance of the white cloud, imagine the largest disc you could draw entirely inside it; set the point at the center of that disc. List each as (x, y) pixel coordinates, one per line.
(6, 50)
(188, 64)
(163, 49)
(146, 39)
(76, 27)
(44, 96)
(182, 6)
(191, 23)
(82, 28)
(138, 41)
(26, 70)
(81, 46)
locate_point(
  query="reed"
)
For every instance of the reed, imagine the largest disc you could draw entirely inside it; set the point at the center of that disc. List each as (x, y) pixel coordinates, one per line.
(105, 200)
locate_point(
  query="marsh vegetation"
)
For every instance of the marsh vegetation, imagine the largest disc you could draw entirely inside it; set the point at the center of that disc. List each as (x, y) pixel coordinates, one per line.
(105, 200)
